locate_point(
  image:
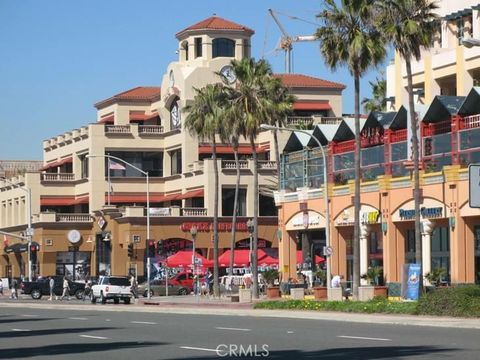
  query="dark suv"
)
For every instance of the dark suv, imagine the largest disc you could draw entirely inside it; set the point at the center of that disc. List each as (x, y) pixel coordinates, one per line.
(36, 289)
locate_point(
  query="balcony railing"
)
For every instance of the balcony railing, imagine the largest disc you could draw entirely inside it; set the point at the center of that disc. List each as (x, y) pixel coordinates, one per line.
(328, 120)
(74, 218)
(470, 122)
(192, 211)
(267, 165)
(150, 129)
(231, 165)
(57, 177)
(299, 121)
(117, 129)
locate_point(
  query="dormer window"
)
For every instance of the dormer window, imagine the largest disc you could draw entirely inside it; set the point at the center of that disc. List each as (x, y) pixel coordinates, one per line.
(185, 49)
(198, 47)
(175, 120)
(223, 47)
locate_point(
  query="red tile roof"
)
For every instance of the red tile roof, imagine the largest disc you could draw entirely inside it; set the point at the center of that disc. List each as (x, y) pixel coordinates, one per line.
(140, 93)
(302, 81)
(216, 23)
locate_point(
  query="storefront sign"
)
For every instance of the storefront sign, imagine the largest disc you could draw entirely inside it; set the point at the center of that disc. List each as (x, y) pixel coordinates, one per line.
(208, 226)
(305, 220)
(165, 211)
(412, 281)
(426, 213)
(370, 217)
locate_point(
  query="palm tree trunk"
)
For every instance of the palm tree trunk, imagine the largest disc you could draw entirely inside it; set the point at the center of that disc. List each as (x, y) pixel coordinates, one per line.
(277, 157)
(356, 200)
(255, 219)
(416, 173)
(216, 288)
(235, 206)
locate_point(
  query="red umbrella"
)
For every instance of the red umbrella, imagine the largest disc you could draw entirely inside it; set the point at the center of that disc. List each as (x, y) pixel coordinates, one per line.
(241, 257)
(183, 258)
(318, 259)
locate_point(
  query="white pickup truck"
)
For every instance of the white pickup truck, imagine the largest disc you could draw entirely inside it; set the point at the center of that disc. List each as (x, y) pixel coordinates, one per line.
(111, 287)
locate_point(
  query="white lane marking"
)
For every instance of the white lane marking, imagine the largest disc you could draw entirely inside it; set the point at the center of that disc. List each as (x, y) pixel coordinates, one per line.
(197, 348)
(27, 315)
(363, 338)
(108, 320)
(233, 329)
(143, 322)
(77, 318)
(94, 337)
(289, 332)
(21, 330)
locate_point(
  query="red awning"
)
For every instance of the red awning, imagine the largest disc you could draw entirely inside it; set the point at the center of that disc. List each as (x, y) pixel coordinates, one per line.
(57, 201)
(311, 105)
(318, 259)
(241, 257)
(142, 198)
(192, 194)
(110, 119)
(57, 163)
(183, 258)
(134, 117)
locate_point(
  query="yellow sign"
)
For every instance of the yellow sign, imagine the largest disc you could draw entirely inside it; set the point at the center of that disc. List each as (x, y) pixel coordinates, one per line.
(285, 268)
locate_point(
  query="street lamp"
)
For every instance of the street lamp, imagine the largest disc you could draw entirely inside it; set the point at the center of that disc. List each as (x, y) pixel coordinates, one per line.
(193, 232)
(29, 230)
(148, 207)
(251, 229)
(325, 187)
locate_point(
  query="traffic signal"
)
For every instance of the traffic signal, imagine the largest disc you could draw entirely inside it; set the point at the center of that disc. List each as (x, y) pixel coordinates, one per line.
(159, 246)
(130, 250)
(151, 248)
(33, 253)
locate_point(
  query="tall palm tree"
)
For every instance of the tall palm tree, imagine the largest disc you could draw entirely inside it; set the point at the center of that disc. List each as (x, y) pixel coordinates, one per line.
(411, 26)
(204, 121)
(348, 37)
(252, 107)
(379, 93)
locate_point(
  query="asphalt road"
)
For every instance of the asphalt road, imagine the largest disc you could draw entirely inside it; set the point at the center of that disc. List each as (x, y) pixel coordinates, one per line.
(94, 333)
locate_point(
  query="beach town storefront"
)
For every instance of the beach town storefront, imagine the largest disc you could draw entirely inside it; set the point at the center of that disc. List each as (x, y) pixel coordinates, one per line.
(97, 245)
(450, 229)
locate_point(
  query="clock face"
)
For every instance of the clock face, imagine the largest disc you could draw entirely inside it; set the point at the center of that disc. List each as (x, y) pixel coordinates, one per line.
(228, 74)
(171, 78)
(175, 116)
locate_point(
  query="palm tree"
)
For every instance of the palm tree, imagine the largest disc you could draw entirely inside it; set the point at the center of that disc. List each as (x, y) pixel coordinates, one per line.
(348, 37)
(411, 26)
(252, 107)
(204, 121)
(379, 93)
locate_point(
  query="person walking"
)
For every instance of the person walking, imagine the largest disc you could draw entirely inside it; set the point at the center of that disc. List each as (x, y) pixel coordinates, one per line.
(1, 287)
(133, 286)
(14, 294)
(88, 290)
(51, 284)
(66, 289)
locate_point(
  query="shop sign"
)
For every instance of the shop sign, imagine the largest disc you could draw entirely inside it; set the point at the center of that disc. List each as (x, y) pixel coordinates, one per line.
(435, 212)
(304, 220)
(208, 226)
(101, 222)
(165, 211)
(370, 217)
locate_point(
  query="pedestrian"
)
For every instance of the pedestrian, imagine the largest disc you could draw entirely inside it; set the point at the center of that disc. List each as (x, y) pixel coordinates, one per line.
(66, 289)
(14, 294)
(87, 291)
(133, 286)
(337, 281)
(210, 283)
(51, 284)
(1, 287)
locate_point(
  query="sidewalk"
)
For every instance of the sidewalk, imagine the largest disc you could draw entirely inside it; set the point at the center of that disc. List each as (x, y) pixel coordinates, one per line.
(225, 301)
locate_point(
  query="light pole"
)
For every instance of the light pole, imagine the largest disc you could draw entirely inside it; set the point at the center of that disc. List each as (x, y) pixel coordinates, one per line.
(193, 232)
(251, 229)
(325, 188)
(148, 206)
(29, 230)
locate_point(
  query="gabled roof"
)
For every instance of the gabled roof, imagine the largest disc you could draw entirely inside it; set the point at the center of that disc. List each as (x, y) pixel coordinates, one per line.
(471, 104)
(442, 108)
(399, 121)
(318, 133)
(305, 81)
(351, 123)
(297, 141)
(138, 94)
(381, 118)
(216, 23)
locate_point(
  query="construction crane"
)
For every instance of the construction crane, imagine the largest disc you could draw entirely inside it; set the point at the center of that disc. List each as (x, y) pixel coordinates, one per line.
(286, 42)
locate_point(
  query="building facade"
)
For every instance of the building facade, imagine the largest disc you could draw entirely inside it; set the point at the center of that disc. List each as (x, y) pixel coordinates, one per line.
(86, 210)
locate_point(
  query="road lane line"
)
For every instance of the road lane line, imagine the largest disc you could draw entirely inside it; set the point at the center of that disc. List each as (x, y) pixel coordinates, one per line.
(143, 322)
(21, 330)
(94, 337)
(233, 329)
(197, 348)
(289, 332)
(363, 338)
(27, 315)
(77, 318)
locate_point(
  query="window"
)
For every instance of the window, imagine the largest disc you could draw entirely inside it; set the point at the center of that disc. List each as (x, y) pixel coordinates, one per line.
(84, 166)
(176, 161)
(223, 48)
(460, 30)
(198, 47)
(399, 151)
(147, 161)
(228, 199)
(410, 247)
(185, 49)
(266, 206)
(441, 249)
(175, 118)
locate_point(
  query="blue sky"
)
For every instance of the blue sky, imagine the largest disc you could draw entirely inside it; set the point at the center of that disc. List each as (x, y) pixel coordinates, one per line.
(60, 57)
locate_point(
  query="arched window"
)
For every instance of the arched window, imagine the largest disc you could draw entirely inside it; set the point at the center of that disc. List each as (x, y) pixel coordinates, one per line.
(175, 119)
(223, 48)
(185, 49)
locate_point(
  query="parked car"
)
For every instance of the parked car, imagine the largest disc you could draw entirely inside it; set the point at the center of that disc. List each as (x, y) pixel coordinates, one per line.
(36, 289)
(184, 279)
(111, 287)
(157, 288)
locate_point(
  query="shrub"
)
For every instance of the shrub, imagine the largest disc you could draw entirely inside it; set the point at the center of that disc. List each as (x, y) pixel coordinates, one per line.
(461, 301)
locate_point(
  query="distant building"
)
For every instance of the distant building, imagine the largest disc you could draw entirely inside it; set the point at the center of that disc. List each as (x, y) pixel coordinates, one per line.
(10, 168)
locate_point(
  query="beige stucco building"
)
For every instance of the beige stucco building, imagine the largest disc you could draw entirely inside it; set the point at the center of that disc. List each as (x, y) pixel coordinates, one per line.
(74, 206)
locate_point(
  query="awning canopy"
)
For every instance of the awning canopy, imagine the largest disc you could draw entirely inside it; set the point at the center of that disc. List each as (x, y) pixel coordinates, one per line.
(142, 198)
(183, 258)
(57, 163)
(311, 105)
(63, 200)
(241, 257)
(318, 259)
(192, 194)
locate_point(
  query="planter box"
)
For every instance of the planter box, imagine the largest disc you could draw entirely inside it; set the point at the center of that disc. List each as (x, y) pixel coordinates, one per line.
(273, 292)
(335, 294)
(366, 293)
(245, 295)
(380, 291)
(320, 293)
(297, 294)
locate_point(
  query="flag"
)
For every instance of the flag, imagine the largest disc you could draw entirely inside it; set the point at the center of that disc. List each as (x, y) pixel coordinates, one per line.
(115, 166)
